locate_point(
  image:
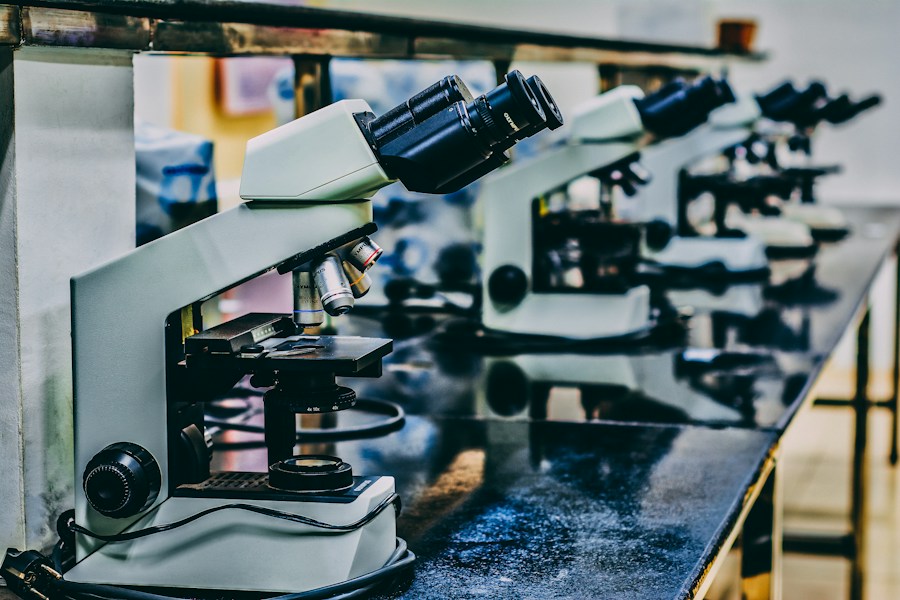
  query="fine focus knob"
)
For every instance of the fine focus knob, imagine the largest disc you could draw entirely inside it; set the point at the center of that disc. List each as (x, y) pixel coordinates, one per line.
(122, 480)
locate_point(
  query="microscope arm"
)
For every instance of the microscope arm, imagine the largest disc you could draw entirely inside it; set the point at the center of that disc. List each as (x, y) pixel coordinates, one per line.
(658, 199)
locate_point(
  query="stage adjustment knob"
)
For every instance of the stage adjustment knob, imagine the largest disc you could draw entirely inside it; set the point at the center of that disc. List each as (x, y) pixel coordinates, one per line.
(122, 480)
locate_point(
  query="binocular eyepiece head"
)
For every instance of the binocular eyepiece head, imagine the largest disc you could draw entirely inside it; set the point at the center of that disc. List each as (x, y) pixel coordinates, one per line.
(788, 104)
(444, 138)
(678, 107)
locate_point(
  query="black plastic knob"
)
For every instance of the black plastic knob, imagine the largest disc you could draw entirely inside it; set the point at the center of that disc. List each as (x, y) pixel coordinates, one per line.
(508, 285)
(122, 480)
(657, 234)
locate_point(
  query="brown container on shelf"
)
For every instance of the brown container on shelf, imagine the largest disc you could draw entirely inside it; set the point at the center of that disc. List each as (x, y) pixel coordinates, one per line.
(736, 35)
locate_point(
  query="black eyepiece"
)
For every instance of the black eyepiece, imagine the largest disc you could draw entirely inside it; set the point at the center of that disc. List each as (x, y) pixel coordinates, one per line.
(514, 104)
(788, 104)
(678, 107)
(551, 110)
(420, 107)
(843, 109)
(442, 139)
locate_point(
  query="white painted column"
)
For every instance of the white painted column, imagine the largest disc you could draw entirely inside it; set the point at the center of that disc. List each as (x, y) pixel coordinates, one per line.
(67, 203)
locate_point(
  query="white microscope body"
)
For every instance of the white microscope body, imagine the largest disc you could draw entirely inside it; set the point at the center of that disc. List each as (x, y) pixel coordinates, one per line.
(659, 199)
(305, 184)
(793, 116)
(604, 130)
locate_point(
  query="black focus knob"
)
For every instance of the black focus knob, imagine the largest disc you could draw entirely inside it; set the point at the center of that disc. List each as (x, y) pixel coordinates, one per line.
(657, 234)
(508, 285)
(122, 480)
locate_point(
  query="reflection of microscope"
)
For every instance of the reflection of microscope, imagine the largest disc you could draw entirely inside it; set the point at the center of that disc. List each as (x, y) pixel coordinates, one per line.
(552, 269)
(151, 513)
(673, 388)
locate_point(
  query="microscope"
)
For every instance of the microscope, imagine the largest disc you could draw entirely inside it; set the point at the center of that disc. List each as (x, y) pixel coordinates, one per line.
(148, 511)
(747, 223)
(779, 155)
(552, 269)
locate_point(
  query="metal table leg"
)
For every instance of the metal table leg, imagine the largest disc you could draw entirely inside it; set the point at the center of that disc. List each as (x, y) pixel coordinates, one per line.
(858, 522)
(895, 383)
(852, 544)
(761, 544)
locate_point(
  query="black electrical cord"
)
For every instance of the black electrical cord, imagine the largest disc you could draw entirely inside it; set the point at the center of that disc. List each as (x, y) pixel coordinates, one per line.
(400, 559)
(395, 421)
(393, 499)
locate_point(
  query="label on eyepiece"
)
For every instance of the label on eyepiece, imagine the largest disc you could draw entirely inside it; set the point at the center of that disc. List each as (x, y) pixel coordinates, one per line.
(510, 121)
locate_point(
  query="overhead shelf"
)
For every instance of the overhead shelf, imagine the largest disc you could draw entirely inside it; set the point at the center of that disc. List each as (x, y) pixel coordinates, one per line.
(242, 27)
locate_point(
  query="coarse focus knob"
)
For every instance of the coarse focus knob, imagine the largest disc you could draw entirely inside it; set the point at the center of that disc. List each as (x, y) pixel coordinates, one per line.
(507, 285)
(122, 480)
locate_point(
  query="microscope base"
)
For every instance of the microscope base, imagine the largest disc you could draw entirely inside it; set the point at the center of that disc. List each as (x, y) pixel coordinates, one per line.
(724, 257)
(783, 238)
(744, 299)
(575, 315)
(237, 550)
(826, 223)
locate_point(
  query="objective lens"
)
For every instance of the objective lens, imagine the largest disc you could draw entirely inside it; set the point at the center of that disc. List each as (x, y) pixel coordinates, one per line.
(364, 254)
(333, 287)
(360, 283)
(308, 311)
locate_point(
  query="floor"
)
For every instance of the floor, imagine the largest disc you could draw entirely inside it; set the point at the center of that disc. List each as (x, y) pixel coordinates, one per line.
(816, 463)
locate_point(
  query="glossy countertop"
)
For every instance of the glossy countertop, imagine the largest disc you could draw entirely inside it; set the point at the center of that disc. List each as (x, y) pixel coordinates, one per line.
(502, 509)
(747, 358)
(598, 475)
(595, 475)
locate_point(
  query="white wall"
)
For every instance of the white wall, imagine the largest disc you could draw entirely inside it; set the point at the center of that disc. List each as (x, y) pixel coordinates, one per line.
(852, 46)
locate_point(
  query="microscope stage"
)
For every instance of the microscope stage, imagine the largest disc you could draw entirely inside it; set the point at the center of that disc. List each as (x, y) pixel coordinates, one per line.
(340, 355)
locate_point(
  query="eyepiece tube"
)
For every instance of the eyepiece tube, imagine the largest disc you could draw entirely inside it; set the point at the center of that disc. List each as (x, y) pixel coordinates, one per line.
(514, 106)
(420, 107)
(459, 141)
(678, 108)
(333, 286)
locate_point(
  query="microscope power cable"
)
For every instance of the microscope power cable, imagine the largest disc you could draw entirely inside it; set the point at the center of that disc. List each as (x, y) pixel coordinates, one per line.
(393, 499)
(400, 559)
